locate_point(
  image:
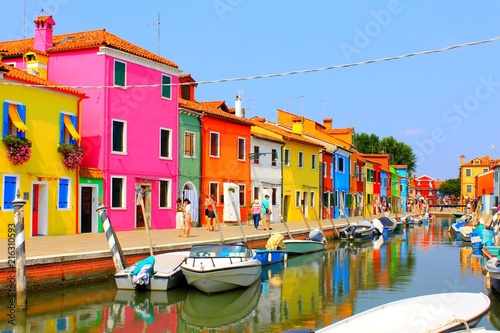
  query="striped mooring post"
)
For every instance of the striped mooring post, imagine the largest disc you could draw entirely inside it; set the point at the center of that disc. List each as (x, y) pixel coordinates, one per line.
(114, 246)
(21, 299)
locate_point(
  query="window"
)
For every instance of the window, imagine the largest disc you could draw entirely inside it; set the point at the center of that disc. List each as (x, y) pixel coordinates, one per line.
(324, 170)
(341, 164)
(9, 191)
(334, 163)
(332, 169)
(274, 157)
(214, 144)
(117, 192)
(164, 195)
(166, 86)
(214, 190)
(256, 154)
(286, 158)
(242, 195)
(301, 159)
(119, 136)
(469, 188)
(119, 73)
(297, 198)
(312, 199)
(63, 194)
(67, 129)
(189, 144)
(485, 170)
(14, 123)
(313, 161)
(274, 196)
(165, 143)
(468, 172)
(255, 193)
(241, 149)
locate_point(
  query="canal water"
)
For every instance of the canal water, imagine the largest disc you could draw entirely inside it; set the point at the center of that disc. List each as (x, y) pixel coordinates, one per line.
(309, 291)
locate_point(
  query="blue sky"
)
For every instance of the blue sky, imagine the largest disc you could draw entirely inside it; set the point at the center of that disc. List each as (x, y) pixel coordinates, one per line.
(443, 105)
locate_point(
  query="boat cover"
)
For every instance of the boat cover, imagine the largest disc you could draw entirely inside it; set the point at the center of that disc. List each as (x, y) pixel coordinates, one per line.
(275, 242)
(143, 271)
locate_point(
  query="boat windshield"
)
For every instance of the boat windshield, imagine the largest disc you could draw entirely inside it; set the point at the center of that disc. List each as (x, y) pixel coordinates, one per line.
(225, 250)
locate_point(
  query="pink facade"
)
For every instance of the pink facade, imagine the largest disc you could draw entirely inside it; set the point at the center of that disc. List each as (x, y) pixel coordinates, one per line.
(145, 118)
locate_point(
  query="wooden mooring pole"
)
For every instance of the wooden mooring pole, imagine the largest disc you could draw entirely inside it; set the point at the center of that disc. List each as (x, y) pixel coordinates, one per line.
(21, 298)
(114, 246)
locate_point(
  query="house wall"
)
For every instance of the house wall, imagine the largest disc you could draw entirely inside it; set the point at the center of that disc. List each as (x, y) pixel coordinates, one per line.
(43, 108)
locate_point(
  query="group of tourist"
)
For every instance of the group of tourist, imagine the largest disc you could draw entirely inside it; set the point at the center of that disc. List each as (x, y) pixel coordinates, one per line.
(183, 217)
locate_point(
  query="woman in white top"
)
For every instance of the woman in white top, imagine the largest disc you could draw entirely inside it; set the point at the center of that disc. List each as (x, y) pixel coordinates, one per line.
(187, 217)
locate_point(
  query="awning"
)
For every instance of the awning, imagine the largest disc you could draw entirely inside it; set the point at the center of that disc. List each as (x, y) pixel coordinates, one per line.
(16, 119)
(71, 129)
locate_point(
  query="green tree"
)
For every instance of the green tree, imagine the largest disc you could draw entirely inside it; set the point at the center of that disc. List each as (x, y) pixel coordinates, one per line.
(400, 153)
(451, 186)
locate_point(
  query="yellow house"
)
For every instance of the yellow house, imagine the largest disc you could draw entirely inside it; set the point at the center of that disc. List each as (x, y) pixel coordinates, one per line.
(368, 178)
(469, 171)
(39, 113)
(301, 188)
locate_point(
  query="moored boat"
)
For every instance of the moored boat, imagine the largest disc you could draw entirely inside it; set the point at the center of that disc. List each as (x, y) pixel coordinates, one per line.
(214, 268)
(357, 231)
(315, 242)
(430, 313)
(164, 272)
(274, 252)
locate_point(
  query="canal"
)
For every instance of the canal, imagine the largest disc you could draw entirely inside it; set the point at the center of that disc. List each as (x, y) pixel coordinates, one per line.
(309, 291)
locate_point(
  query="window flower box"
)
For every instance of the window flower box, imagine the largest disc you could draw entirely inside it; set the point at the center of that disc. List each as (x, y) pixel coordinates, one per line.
(72, 155)
(18, 149)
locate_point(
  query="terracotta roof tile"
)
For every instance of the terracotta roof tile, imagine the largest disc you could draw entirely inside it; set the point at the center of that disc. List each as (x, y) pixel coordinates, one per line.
(348, 130)
(91, 173)
(211, 109)
(19, 75)
(83, 40)
(288, 135)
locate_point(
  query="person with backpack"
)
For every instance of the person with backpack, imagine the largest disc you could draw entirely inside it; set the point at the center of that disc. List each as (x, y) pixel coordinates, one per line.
(266, 211)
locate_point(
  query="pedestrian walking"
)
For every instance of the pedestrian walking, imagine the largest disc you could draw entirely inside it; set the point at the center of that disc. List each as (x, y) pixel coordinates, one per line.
(179, 217)
(256, 213)
(266, 211)
(187, 218)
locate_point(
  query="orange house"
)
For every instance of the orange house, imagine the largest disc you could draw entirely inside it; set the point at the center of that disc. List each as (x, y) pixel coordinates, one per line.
(225, 162)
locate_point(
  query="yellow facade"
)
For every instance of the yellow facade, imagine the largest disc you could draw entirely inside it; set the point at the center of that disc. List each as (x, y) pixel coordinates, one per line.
(468, 173)
(368, 184)
(39, 180)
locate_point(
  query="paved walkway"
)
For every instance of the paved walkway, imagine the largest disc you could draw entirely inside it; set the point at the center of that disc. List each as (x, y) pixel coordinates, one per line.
(45, 249)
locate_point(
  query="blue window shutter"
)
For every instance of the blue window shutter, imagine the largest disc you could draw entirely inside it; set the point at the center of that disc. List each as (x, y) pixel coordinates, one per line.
(61, 128)
(74, 122)
(63, 193)
(21, 109)
(9, 192)
(5, 119)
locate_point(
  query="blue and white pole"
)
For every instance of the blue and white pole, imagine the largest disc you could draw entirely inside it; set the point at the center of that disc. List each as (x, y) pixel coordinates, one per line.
(114, 246)
(21, 299)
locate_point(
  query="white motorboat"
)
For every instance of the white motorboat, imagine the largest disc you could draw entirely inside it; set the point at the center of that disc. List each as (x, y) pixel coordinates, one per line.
(430, 313)
(315, 242)
(214, 268)
(164, 274)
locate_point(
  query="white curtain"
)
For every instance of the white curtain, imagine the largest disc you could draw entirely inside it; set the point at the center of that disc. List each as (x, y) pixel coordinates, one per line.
(192, 195)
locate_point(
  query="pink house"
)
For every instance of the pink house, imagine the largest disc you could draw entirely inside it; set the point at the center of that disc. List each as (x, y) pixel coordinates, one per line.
(129, 123)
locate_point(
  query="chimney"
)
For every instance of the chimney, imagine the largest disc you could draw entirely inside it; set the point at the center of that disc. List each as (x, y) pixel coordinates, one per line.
(462, 159)
(327, 122)
(297, 125)
(238, 110)
(36, 64)
(43, 33)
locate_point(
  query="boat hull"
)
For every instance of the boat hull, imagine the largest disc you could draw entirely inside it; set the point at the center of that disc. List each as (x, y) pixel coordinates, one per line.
(430, 313)
(224, 278)
(363, 230)
(301, 246)
(167, 273)
(269, 257)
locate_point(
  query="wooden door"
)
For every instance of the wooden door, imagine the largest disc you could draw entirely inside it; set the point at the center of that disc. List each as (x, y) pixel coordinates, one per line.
(86, 210)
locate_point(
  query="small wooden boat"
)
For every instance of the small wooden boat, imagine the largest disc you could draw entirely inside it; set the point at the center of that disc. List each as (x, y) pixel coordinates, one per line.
(431, 313)
(164, 274)
(357, 231)
(315, 242)
(492, 269)
(389, 225)
(213, 268)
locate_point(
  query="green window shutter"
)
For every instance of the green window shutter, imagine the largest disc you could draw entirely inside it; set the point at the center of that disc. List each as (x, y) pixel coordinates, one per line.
(166, 88)
(119, 78)
(325, 199)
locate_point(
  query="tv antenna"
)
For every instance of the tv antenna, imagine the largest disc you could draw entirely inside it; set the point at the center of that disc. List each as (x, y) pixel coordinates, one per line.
(157, 24)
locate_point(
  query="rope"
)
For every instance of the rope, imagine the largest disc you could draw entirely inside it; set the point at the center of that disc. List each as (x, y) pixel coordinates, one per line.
(454, 320)
(265, 76)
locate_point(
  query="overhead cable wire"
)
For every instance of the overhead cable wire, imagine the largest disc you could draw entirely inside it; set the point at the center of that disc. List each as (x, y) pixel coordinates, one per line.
(266, 76)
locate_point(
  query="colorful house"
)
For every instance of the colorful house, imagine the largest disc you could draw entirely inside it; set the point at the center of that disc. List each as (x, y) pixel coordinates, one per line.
(484, 191)
(266, 167)
(301, 171)
(130, 126)
(400, 197)
(468, 172)
(189, 184)
(357, 184)
(225, 162)
(46, 116)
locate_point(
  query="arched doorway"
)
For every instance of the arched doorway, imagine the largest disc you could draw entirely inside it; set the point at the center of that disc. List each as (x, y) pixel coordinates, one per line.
(189, 191)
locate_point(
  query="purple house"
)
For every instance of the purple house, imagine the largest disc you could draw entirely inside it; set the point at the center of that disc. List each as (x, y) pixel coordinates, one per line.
(129, 123)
